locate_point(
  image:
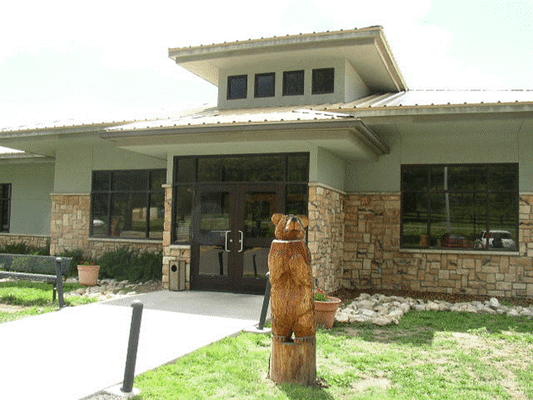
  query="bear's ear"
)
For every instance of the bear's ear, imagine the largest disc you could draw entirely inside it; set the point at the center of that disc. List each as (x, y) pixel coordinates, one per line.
(276, 218)
(305, 220)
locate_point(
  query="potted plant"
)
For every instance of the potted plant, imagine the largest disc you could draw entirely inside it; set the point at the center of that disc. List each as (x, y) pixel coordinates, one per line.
(325, 308)
(88, 273)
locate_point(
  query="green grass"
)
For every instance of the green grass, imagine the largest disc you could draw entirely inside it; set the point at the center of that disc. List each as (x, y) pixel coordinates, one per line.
(429, 355)
(34, 298)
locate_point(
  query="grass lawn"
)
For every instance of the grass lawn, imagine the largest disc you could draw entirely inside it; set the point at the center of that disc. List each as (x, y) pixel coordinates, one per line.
(24, 298)
(430, 355)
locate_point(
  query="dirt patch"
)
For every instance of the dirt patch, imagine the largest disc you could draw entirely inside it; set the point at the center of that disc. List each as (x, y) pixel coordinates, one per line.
(150, 286)
(12, 309)
(378, 383)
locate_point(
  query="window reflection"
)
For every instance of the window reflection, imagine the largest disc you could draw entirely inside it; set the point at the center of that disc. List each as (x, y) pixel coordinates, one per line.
(460, 206)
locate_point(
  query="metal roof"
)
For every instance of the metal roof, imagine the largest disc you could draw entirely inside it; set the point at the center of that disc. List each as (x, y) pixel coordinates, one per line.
(413, 101)
(215, 117)
(424, 98)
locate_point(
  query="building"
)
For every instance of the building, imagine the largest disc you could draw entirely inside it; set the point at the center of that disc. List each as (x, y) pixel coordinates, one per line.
(415, 190)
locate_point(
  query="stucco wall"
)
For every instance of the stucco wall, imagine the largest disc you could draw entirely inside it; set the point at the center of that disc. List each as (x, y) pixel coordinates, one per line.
(432, 140)
(32, 183)
(74, 165)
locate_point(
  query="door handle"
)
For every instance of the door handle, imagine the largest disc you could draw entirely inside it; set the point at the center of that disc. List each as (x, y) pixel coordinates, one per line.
(241, 241)
(226, 241)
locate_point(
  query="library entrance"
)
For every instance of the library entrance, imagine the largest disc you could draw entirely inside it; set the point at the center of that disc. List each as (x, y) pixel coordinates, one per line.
(227, 214)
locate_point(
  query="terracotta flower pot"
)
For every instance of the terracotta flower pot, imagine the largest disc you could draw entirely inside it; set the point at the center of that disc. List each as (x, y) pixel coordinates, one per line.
(88, 274)
(325, 311)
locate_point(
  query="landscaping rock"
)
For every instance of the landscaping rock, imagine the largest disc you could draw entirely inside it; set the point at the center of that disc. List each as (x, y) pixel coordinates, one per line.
(381, 310)
(110, 289)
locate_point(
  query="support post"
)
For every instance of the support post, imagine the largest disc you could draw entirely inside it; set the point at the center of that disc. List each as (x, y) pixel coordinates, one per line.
(129, 373)
(59, 283)
(266, 301)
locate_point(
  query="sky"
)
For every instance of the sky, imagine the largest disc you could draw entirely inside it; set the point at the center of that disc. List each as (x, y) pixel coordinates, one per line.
(102, 61)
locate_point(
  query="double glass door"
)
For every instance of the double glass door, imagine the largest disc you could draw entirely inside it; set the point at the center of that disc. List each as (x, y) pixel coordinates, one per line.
(232, 232)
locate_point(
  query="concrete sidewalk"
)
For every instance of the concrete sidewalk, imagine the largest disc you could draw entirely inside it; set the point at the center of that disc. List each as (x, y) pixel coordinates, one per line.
(79, 351)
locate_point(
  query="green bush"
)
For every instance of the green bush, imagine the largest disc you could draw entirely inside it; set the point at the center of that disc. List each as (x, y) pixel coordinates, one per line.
(77, 259)
(23, 248)
(126, 264)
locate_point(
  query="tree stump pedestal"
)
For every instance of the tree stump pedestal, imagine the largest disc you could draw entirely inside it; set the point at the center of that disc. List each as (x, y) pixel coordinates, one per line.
(294, 361)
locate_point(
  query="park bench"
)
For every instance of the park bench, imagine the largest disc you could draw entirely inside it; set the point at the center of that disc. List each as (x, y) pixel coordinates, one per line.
(49, 269)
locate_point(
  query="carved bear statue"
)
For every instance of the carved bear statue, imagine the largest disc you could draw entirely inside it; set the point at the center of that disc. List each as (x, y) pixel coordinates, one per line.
(292, 283)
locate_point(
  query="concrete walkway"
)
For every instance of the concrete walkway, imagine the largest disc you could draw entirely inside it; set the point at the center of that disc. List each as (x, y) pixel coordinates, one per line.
(78, 351)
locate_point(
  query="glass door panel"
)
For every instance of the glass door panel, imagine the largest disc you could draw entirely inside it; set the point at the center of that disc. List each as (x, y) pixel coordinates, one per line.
(232, 235)
(214, 224)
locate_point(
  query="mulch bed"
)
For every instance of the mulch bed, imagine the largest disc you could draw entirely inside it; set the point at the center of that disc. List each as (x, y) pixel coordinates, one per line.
(348, 295)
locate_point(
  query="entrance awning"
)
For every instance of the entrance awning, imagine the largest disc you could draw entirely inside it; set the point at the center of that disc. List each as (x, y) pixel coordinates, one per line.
(249, 132)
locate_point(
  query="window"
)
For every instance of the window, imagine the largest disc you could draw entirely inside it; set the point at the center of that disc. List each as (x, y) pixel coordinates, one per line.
(264, 85)
(5, 206)
(293, 83)
(323, 81)
(289, 170)
(128, 204)
(237, 87)
(455, 206)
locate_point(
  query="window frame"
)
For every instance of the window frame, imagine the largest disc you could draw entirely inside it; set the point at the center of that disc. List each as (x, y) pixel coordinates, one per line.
(233, 96)
(110, 193)
(486, 195)
(5, 200)
(257, 87)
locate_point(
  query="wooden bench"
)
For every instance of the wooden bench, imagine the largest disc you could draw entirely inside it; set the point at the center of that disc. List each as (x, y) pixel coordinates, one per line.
(49, 269)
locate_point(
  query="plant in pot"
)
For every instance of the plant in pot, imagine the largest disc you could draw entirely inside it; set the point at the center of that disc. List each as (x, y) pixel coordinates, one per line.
(88, 273)
(325, 308)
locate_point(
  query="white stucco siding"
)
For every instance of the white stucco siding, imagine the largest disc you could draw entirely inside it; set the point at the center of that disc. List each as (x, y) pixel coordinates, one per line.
(74, 165)
(430, 141)
(32, 184)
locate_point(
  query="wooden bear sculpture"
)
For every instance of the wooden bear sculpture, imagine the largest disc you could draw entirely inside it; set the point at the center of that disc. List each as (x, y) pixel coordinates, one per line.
(293, 358)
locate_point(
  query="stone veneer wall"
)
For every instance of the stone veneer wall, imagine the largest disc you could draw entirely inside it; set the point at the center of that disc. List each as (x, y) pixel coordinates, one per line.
(40, 241)
(70, 226)
(373, 258)
(70, 222)
(173, 254)
(326, 235)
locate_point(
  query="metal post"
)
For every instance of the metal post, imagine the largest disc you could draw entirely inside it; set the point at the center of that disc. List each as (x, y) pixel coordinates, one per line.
(59, 283)
(266, 300)
(129, 373)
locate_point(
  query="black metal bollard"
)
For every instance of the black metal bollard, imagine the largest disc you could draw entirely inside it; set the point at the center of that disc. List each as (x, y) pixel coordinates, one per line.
(266, 300)
(129, 373)
(59, 283)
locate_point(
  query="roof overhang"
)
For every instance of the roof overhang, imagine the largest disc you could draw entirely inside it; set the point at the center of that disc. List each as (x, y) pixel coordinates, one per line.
(349, 139)
(366, 49)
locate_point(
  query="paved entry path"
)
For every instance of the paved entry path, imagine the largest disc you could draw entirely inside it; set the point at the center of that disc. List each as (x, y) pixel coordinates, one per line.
(78, 351)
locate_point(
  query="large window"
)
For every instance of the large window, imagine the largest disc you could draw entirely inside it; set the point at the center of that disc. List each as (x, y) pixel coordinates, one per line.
(289, 170)
(5, 206)
(455, 206)
(128, 204)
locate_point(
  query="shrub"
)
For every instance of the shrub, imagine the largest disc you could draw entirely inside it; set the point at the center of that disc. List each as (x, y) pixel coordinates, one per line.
(77, 258)
(23, 248)
(126, 264)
